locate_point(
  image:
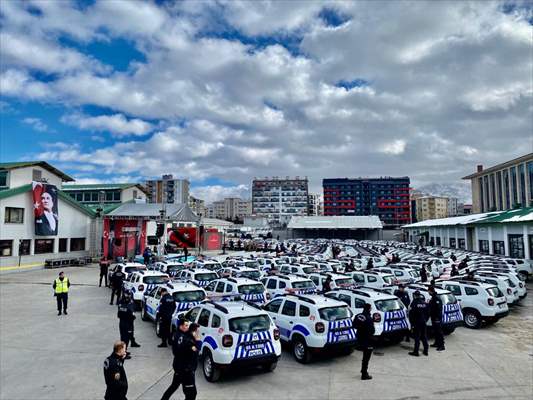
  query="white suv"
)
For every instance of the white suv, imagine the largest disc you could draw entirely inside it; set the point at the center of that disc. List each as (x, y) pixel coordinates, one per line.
(479, 301)
(200, 277)
(186, 295)
(298, 269)
(404, 275)
(234, 334)
(237, 271)
(373, 279)
(337, 280)
(277, 285)
(388, 312)
(312, 323)
(170, 267)
(126, 268)
(140, 282)
(226, 289)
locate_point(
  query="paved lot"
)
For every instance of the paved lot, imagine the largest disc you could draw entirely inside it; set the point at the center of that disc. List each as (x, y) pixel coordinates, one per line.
(43, 356)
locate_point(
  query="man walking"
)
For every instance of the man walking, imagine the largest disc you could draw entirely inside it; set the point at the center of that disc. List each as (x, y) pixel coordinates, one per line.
(435, 311)
(166, 309)
(185, 362)
(418, 316)
(114, 373)
(365, 335)
(61, 285)
(126, 315)
(116, 284)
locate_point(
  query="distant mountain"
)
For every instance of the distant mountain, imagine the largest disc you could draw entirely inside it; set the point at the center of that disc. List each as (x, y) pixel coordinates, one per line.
(462, 191)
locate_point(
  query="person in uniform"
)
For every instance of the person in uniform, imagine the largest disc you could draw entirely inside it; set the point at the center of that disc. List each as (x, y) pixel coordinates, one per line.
(435, 312)
(167, 306)
(126, 315)
(365, 335)
(104, 266)
(116, 285)
(185, 350)
(61, 285)
(114, 373)
(404, 298)
(418, 316)
(327, 285)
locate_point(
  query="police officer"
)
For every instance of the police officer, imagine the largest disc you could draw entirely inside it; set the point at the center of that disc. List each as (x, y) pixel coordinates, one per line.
(435, 312)
(185, 362)
(61, 285)
(114, 373)
(365, 335)
(418, 316)
(104, 265)
(167, 306)
(126, 315)
(327, 284)
(116, 284)
(404, 298)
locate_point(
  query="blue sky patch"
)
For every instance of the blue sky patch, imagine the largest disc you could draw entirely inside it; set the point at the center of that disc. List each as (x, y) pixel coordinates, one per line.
(346, 84)
(332, 17)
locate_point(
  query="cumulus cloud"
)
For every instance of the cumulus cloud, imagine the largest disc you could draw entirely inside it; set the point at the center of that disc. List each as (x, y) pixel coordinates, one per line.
(213, 193)
(36, 124)
(117, 124)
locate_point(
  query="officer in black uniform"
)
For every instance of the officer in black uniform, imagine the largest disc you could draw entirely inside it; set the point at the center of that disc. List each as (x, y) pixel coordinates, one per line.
(404, 298)
(185, 362)
(167, 306)
(435, 312)
(115, 375)
(126, 315)
(365, 335)
(116, 285)
(418, 316)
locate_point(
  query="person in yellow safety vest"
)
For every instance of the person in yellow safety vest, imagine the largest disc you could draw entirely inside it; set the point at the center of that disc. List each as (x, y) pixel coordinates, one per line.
(61, 285)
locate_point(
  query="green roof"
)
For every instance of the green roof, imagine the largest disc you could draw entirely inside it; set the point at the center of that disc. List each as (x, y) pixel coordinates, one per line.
(524, 214)
(4, 194)
(42, 164)
(102, 186)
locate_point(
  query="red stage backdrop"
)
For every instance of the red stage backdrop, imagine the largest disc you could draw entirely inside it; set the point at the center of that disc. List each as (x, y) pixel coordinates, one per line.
(123, 238)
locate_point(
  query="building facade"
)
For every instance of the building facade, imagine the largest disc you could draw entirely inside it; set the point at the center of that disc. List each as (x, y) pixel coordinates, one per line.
(453, 204)
(315, 205)
(386, 197)
(197, 206)
(279, 199)
(106, 193)
(505, 186)
(168, 190)
(431, 207)
(231, 208)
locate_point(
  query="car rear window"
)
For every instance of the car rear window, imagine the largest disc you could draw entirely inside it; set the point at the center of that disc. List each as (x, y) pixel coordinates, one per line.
(193, 295)
(494, 292)
(334, 313)
(206, 276)
(131, 269)
(343, 282)
(302, 285)
(155, 279)
(308, 270)
(388, 305)
(255, 288)
(251, 264)
(389, 279)
(250, 274)
(448, 298)
(251, 324)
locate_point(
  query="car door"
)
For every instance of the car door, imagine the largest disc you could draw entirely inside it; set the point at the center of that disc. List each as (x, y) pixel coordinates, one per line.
(456, 290)
(285, 318)
(273, 308)
(358, 305)
(152, 302)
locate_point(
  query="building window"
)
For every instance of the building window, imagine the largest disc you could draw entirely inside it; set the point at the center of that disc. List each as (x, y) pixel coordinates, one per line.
(116, 196)
(462, 244)
(24, 247)
(3, 179)
(438, 241)
(453, 243)
(499, 186)
(77, 244)
(486, 189)
(530, 177)
(87, 197)
(37, 174)
(481, 196)
(6, 248)
(522, 185)
(14, 215)
(498, 247)
(484, 246)
(63, 245)
(493, 192)
(79, 196)
(43, 246)
(134, 194)
(516, 246)
(94, 197)
(513, 187)
(506, 189)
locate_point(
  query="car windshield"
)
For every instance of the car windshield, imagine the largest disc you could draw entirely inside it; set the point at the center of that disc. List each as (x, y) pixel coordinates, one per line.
(494, 292)
(251, 324)
(302, 285)
(389, 305)
(343, 282)
(206, 276)
(447, 298)
(155, 279)
(308, 270)
(255, 288)
(510, 283)
(251, 264)
(334, 313)
(174, 267)
(131, 269)
(251, 274)
(389, 279)
(184, 297)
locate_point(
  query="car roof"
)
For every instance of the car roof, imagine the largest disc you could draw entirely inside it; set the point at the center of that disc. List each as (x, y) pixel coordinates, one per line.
(366, 292)
(235, 309)
(317, 300)
(240, 280)
(182, 287)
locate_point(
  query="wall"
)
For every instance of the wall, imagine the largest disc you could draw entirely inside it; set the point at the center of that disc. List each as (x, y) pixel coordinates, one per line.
(73, 223)
(22, 176)
(127, 194)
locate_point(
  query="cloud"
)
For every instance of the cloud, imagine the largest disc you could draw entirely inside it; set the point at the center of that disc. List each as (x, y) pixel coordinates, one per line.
(217, 192)
(395, 147)
(36, 124)
(117, 124)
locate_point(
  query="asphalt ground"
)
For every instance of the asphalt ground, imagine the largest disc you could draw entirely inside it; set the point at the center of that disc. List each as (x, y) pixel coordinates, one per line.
(43, 356)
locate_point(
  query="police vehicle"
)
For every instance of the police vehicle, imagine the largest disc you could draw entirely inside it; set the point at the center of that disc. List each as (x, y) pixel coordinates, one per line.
(391, 320)
(140, 282)
(402, 273)
(126, 268)
(244, 272)
(186, 295)
(200, 277)
(298, 269)
(479, 301)
(514, 280)
(226, 289)
(234, 334)
(337, 280)
(277, 285)
(312, 323)
(503, 283)
(212, 265)
(372, 279)
(170, 267)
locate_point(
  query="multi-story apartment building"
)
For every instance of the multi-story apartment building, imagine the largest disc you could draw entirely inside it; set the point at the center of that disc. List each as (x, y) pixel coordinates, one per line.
(279, 199)
(230, 208)
(431, 207)
(168, 190)
(453, 203)
(197, 206)
(386, 197)
(315, 205)
(503, 187)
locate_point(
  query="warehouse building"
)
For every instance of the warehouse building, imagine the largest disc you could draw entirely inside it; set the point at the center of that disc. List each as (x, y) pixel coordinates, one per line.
(336, 227)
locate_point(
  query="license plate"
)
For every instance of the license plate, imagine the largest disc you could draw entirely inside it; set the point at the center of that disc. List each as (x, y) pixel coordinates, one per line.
(253, 347)
(257, 352)
(342, 337)
(502, 305)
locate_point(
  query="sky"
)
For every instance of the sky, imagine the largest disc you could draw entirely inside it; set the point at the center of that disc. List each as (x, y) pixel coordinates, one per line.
(221, 92)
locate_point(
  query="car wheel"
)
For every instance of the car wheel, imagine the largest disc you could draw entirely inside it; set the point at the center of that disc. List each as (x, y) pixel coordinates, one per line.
(144, 316)
(472, 319)
(270, 367)
(211, 370)
(301, 351)
(158, 326)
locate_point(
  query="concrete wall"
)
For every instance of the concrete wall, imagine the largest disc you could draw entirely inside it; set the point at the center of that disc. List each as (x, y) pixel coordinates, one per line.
(127, 194)
(22, 176)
